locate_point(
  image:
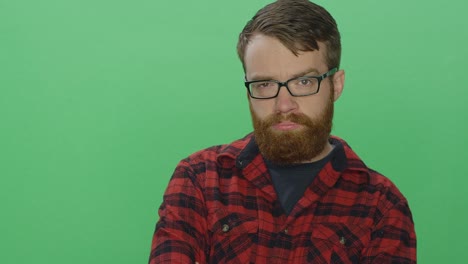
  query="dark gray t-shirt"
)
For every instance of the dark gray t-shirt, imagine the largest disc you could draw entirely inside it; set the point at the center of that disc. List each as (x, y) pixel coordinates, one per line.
(291, 181)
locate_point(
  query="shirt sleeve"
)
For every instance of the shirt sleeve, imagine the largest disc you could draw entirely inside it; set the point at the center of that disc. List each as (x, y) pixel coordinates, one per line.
(181, 232)
(393, 240)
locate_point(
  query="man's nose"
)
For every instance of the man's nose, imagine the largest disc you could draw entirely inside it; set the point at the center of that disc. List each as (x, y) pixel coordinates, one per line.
(285, 102)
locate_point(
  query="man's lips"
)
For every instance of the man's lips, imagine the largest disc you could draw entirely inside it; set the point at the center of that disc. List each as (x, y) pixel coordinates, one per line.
(286, 125)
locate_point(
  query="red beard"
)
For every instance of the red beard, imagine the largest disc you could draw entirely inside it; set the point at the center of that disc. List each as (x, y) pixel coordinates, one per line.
(290, 147)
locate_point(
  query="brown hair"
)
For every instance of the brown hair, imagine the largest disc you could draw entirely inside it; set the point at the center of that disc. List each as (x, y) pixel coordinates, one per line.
(299, 25)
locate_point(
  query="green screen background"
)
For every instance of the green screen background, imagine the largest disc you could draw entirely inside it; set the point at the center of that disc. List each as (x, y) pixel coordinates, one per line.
(99, 100)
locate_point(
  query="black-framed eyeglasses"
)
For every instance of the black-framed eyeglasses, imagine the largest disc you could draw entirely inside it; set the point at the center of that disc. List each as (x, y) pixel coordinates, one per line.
(299, 86)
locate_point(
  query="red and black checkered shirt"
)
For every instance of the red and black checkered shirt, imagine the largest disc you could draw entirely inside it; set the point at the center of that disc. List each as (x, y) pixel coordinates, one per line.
(221, 207)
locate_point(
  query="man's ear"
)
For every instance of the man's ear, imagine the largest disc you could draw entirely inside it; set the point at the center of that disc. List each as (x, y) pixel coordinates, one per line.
(338, 80)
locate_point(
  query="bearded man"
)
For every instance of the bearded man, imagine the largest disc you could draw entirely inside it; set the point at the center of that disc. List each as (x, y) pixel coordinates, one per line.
(289, 192)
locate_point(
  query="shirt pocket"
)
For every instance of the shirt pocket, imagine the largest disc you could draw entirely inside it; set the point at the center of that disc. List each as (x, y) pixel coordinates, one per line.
(337, 243)
(233, 236)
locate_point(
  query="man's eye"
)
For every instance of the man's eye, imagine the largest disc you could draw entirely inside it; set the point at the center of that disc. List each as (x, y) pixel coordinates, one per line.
(263, 85)
(306, 83)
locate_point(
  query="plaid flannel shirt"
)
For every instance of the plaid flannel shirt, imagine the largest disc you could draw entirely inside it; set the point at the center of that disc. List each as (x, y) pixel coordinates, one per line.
(221, 207)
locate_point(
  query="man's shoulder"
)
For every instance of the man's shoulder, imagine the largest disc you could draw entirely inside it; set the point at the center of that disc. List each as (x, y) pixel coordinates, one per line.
(220, 152)
(362, 175)
(378, 179)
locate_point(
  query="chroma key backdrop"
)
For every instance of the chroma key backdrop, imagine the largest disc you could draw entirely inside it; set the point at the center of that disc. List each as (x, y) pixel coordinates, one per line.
(100, 99)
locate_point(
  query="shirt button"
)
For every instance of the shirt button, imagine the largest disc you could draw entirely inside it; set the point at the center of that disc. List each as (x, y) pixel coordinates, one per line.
(286, 231)
(225, 228)
(343, 241)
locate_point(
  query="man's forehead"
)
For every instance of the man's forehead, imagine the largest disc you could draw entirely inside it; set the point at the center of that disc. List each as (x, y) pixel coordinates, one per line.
(266, 56)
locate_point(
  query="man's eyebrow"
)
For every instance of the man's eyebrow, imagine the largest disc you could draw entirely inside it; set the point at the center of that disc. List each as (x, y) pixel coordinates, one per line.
(308, 72)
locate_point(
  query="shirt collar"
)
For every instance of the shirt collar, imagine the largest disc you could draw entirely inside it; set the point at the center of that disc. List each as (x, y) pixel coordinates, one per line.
(241, 152)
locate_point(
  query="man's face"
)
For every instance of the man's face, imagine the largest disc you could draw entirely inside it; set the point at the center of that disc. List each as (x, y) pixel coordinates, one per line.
(290, 129)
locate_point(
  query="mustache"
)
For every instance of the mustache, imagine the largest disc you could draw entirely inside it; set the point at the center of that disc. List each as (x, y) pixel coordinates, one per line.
(274, 119)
